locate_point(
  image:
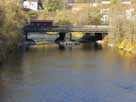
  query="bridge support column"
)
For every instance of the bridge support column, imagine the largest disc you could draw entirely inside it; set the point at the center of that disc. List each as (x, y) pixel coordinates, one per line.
(98, 36)
(68, 36)
(61, 37)
(25, 35)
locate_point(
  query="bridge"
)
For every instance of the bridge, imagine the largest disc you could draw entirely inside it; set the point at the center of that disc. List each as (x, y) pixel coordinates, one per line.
(90, 28)
(39, 26)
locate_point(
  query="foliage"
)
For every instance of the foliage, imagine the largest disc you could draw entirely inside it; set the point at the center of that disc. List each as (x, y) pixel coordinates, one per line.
(12, 19)
(32, 14)
(63, 18)
(115, 1)
(94, 17)
(86, 16)
(86, 1)
(53, 5)
(123, 29)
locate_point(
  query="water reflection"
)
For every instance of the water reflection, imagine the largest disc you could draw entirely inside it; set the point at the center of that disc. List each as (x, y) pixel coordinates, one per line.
(82, 73)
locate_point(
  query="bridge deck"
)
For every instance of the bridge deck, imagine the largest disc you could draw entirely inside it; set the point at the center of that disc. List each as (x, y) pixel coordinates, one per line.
(92, 28)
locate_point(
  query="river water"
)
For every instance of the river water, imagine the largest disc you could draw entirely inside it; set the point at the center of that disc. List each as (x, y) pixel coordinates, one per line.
(79, 74)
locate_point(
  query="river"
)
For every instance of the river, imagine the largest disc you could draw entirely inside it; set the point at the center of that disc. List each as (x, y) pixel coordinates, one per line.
(82, 73)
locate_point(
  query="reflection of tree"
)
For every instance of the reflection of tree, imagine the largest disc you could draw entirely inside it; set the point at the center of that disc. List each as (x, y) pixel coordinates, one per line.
(11, 73)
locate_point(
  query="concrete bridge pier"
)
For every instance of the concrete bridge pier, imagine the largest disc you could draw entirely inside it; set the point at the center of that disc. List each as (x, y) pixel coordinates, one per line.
(61, 37)
(98, 36)
(68, 36)
(25, 35)
(64, 36)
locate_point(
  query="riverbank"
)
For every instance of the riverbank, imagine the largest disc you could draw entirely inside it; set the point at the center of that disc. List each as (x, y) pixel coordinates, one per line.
(12, 20)
(125, 45)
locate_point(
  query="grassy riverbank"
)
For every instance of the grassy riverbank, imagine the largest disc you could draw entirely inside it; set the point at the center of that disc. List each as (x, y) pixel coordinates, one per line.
(123, 29)
(125, 44)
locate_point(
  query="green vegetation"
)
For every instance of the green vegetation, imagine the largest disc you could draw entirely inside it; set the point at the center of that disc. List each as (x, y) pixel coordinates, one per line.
(88, 16)
(94, 17)
(12, 19)
(123, 29)
(56, 10)
(115, 1)
(62, 18)
(54, 5)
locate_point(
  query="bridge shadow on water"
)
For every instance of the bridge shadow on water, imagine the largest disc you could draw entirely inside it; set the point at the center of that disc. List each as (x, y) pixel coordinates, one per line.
(85, 46)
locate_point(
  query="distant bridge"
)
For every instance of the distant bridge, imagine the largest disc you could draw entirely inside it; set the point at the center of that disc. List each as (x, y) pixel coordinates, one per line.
(90, 28)
(39, 26)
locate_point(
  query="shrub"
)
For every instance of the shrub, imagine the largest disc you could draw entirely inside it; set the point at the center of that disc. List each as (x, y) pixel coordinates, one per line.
(63, 18)
(12, 19)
